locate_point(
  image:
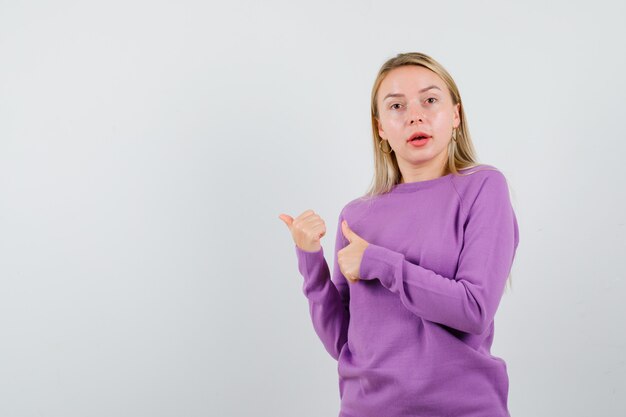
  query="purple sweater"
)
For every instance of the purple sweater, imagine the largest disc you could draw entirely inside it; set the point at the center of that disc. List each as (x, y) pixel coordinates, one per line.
(412, 337)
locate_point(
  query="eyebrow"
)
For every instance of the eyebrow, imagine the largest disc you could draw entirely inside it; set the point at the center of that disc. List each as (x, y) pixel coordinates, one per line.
(402, 95)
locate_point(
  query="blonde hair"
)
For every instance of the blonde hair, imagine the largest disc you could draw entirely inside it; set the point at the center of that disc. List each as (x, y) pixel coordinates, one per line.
(461, 153)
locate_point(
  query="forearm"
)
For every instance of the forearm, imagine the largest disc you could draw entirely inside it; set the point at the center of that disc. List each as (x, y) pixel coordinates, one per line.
(328, 311)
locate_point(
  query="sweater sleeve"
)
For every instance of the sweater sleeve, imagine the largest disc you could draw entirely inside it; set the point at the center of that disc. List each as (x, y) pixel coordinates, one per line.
(328, 299)
(468, 301)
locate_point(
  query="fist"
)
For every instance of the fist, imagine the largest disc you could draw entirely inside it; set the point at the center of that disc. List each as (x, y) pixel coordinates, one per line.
(350, 257)
(306, 230)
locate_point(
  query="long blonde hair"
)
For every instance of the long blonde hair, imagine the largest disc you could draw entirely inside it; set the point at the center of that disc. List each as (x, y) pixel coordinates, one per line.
(461, 153)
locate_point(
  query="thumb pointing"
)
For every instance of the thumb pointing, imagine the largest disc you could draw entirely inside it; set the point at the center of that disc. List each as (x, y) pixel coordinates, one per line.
(287, 219)
(347, 232)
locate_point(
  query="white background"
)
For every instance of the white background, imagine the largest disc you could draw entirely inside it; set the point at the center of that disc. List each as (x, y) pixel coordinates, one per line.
(148, 147)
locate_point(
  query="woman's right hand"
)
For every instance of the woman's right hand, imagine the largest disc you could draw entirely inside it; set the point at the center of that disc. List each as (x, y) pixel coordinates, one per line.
(307, 229)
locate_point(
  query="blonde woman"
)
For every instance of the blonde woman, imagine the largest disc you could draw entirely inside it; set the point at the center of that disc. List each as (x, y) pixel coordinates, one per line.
(421, 260)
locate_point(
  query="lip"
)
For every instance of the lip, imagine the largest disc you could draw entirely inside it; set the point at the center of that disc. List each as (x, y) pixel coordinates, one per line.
(419, 143)
(416, 134)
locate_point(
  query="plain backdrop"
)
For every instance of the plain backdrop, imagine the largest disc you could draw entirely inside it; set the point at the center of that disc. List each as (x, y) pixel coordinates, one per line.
(148, 147)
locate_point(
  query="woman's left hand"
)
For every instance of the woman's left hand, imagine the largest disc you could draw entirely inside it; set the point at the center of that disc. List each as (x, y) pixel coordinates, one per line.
(349, 258)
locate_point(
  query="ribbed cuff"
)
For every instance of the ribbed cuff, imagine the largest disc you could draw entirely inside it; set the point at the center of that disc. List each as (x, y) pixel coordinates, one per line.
(380, 263)
(309, 263)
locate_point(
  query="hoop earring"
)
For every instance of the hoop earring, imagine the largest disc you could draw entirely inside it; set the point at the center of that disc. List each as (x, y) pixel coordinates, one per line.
(452, 145)
(381, 147)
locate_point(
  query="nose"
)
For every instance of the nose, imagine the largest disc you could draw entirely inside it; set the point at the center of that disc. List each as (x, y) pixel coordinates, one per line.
(415, 116)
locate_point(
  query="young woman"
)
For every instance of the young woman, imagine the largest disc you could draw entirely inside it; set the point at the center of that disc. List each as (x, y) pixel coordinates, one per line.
(421, 261)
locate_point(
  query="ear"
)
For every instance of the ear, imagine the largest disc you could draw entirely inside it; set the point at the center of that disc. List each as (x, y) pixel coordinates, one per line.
(456, 121)
(380, 129)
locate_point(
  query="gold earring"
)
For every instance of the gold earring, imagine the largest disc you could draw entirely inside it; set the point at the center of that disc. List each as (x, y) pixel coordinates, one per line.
(381, 147)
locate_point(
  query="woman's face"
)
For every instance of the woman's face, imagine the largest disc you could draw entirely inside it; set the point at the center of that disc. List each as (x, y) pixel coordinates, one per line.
(407, 105)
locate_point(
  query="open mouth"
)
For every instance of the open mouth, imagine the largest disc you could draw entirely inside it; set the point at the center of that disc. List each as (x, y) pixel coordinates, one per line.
(419, 140)
(418, 136)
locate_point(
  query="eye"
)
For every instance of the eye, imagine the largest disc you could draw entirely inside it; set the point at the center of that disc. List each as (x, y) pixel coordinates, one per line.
(395, 104)
(431, 98)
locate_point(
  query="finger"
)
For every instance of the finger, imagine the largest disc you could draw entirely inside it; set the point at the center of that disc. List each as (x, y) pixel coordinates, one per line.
(306, 213)
(287, 219)
(316, 228)
(346, 231)
(319, 230)
(312, 221)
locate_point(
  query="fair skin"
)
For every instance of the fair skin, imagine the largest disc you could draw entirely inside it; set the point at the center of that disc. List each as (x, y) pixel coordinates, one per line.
(408, 111)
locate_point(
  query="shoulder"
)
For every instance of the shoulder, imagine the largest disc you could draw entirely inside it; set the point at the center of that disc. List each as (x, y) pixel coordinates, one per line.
(479, 171)
(478, 176)
(356, 208)
(482, 182)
